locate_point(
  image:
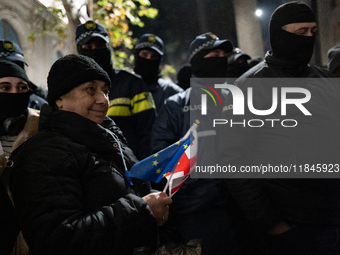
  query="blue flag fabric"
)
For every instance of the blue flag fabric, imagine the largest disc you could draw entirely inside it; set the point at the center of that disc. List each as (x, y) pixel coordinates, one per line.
(154, 167)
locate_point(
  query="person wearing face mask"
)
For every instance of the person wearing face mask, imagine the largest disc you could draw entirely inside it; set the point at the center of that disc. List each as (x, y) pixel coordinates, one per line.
(292, 40)
(131, 104)
(11, 51)
(208, 56)
(183, 76)
(149, 51)
(292, 214)
(237, 63)
(199, 210)
(17, 124)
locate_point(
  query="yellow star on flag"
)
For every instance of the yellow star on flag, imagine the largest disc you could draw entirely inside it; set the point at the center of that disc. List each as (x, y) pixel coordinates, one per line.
(185, 146)
(155, 155)
(155, 163)
(158, 171)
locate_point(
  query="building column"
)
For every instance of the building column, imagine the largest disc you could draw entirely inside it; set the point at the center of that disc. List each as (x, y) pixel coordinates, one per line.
(248, 28)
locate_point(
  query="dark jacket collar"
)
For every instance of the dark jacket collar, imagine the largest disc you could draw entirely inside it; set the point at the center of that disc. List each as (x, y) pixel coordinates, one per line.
(97, 138)
(286, 66)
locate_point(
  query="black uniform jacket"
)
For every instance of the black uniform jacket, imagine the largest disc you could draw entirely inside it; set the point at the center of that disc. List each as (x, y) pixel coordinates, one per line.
(133, 110)
(162, 89)
(315, 140)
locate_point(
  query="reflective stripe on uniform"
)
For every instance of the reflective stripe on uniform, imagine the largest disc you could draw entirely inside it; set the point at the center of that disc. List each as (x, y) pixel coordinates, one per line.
(119, 110)
(142, 102)
(126, 107)
(119, 107)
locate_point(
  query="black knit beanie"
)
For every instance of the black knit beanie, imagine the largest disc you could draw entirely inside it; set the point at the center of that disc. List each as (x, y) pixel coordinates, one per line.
(71, 71)
(10, 69)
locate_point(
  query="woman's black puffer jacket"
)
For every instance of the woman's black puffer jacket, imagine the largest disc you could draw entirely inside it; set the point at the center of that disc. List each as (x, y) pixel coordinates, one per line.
(70, 192)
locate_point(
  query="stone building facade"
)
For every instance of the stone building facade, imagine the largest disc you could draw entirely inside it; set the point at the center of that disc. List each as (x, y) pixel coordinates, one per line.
(18, 20)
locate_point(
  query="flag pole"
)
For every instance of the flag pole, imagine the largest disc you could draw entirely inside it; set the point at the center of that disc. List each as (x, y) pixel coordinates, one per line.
(192, 128)
(168, 182)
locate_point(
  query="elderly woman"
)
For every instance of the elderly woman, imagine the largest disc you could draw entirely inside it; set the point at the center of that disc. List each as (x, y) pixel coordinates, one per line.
(68, 181)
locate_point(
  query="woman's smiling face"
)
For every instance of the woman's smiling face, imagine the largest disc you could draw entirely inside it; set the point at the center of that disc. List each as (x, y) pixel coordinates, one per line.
(90, 100)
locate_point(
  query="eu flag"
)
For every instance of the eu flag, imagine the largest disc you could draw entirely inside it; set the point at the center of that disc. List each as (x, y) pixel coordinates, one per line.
(154, 167)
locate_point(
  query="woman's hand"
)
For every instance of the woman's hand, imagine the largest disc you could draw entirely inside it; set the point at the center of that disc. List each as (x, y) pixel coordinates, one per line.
(159, 204)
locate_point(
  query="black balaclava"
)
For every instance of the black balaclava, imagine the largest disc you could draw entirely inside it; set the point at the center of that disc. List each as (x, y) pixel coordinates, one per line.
(147, 68)
(215, 67)
(286, 45)
(184, 75)
(101, 56)
(13, 112)
(13, 104)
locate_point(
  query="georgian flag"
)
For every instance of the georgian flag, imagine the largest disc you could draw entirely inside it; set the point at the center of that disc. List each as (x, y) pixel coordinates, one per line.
(186, 164)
